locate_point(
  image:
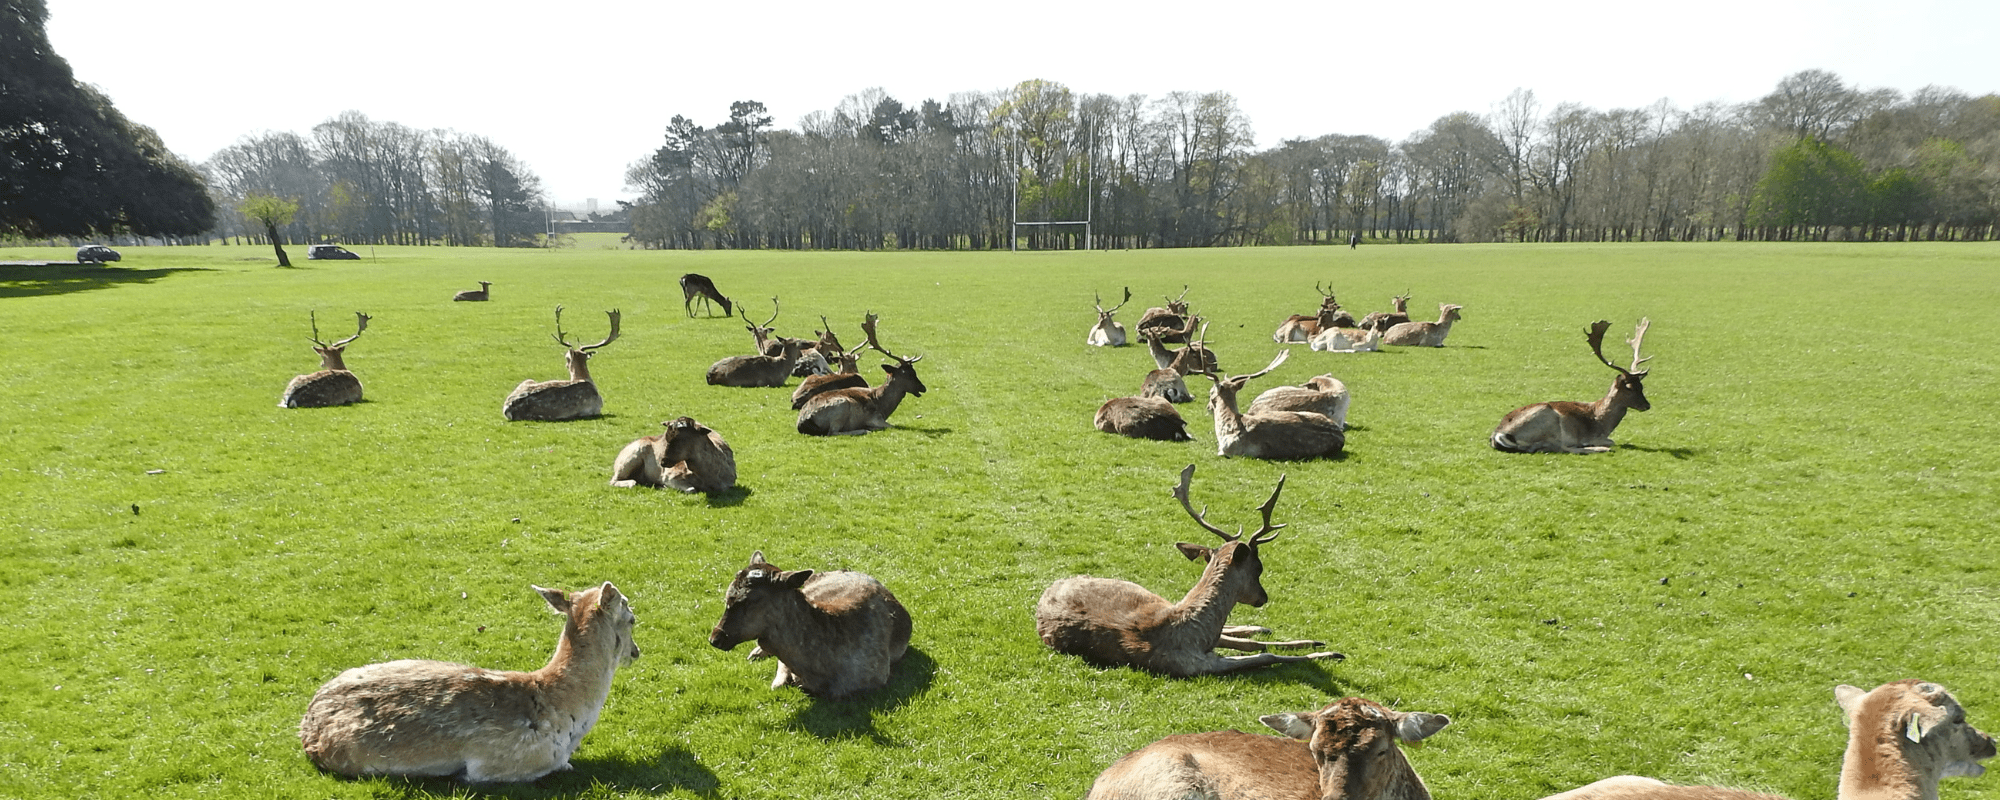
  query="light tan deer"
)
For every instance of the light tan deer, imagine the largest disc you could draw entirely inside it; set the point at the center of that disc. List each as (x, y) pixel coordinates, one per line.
(332, 385)
(436, 719)
(1323, 394)
(480, 295)
(1300, 328)
(835, 633)
(687, 457)
(1424, 334)
(1167, 385)
(852, 412)
(576, 398)
(1118, 623)
(1346, 751)
(1568, 426)
(1107, 333)
(1348, 340)
(1903, 738)
(1170, 321)
(1384, 320)
(1142, 418)
(1276, 435)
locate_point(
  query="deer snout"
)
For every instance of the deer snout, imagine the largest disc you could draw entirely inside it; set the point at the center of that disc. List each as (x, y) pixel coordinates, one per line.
(722, 640)
(1982, 746)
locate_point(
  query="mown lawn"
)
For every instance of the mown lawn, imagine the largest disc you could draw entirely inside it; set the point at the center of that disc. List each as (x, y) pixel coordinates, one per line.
(1810, 502)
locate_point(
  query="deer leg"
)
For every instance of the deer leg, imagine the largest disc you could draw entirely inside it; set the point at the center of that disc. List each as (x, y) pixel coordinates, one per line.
(1244, 630)
(1227, 664)
(783, 677)
(1252, 646)
(757, 653)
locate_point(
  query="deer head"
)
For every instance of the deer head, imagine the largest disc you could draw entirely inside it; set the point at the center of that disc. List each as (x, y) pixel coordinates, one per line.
(578, 356)
(1235, 551)
(827, 341)
(1103, 316)
(1630, 381)
(330, 354)
(1326, 296)
(1178, 305)
(905, 367)
(761, 333)
(1401, 302)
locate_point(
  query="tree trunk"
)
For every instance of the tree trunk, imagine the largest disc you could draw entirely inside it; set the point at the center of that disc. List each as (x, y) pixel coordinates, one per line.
(273, 230)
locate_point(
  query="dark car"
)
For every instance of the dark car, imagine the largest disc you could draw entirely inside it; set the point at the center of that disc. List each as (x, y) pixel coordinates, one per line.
(95, 254)
(329, 252)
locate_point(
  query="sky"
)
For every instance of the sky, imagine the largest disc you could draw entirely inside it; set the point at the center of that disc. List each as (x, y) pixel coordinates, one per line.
(580, 90)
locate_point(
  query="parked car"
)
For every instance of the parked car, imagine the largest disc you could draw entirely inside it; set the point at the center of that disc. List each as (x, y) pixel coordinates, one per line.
(325, 252)
(95, 254)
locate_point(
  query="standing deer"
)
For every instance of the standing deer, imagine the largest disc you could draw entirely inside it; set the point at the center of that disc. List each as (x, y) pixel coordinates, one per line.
(1384, 320)
(1568, 426)
(472, 296)
(1323, 394)
(1301, 328)
(699, 286)
(554, 401)
(1107, 333)
(835, 633)
(1424, 334)
(1277, 435)
(332, 385)
(688, 457)
(435, 719)
(1118, 623)
(1170, 321)
(1346, 751)
(1142, 418)
(852, 412)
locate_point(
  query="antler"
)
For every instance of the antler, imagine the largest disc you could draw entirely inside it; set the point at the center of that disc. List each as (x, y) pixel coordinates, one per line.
(774, 314)
(362, 325)
(1638, 335)
(1596, 338)
(613, 314)
(1114, 309)
(1282, 355)
(868, 327)
(1184, 291)
(1326, 293)
(1201, 518)
(827, 338)
(559, 331)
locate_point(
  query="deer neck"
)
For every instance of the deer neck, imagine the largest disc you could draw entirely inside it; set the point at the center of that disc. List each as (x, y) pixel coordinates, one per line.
(580, 671)
(1875, 768)
(890, 394)
(1205, 608)
(1161, 355)
(1222, 404)
(330, 358)
(579, 365)
(1610, 410)
(1388, 778)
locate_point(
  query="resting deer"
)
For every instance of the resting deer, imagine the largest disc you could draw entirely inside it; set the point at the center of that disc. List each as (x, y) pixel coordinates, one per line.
(1348, 340)
(1346, 751)
(1323, 394)
(771, 367)
(699, 286)
(1301, 328)
(1171, 321)
(835, 633)
(1118, 623)
(1903, 738)
(1384, 320)
(435, 719)
(1276, 435)
(1568, 426)
(1167, 385)
(852, 412)
(1424, 334)
(552, 401)
(847, 376)
(1142, 418)
(332, 385)
(688, 457)
(1195, 357)
(471, 296)
(1107, 333)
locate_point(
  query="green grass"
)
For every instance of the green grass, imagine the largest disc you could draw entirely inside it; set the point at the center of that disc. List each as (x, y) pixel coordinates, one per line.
(1810, 502)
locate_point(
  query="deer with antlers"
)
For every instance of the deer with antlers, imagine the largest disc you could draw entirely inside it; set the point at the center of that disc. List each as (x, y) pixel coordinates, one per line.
(1193, 358)
(554, 401)
(1107, 333)
(846, 373)
(688, 457)
(784, 358)
(852, 411)
(1384, 320)
(1301, 328)
(1276, 435)
(700, 287)
(332, 385)
(1568, 426)
(1170, 322)
(479, 295)
(1118, 623)
(1424, 334)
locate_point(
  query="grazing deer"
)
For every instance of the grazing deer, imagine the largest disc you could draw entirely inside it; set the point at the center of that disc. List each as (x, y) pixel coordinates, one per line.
(1348, 340)
(847, 376)
(435, 719)
(852, 412)
(332, 385)
(1118, 623)
(1346, 751)
(688, 457)
(1323, 394)
(835, 633)
(1276, 435)
(553, 401)
(1167, 385)
(1142, 418)
(1107, 333)
(1384, 320)
(1301, 328)
(471, 296)
(1567, 426)
(699, 286)
(1903, 738)
(1195, 357)
(1424, 334)
(1171, 321)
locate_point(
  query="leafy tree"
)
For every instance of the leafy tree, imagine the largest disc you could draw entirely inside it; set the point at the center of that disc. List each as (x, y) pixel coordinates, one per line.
(1810, 183)
(271, 212)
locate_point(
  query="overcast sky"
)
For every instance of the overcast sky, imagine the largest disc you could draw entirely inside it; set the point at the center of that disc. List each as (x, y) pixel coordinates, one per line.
(579, 90)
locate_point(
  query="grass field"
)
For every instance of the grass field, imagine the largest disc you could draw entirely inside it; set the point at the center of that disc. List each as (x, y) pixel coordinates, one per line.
(1810, 502)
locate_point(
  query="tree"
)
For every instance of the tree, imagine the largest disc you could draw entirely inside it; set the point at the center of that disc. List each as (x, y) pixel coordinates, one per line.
(1813, 184)
(1813, 103)
(272, 212)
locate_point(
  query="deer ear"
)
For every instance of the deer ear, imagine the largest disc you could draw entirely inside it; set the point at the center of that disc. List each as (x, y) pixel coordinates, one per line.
(1916, 728)
(888, 369)
(1297, 725)
(1849, 698)
(1417, 725)
(794, 579)
(1195, 552)
(608, 593)
(757, 558)
(557, 598)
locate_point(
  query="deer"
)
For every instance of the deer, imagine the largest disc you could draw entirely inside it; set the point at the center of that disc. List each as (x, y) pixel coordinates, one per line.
(784, 358)
(1166, 384)
(1142, 418)
(699, 286)
(853, 412)
(1424, 334)
(1107, 333)
(1568, 426)
(688, 457)
(846, 376)
(1348, 340)
(474, 296)
(1301, 328)
(1275, 435)
(1322, 394)
(1118, 623)
(437, 719)
(1384, 320)
(1195, 357)
(1345, 751)
(1903, 739)
(332, 385)
(554, 401)
(1170, 320)
(835, 633)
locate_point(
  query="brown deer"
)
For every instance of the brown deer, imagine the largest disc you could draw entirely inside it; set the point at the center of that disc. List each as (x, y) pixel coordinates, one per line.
(1118, 623)
(1568, 426)
(699, 286)
(835, 633)
(1166, 384)
(1384, 320)
(471, 296)
(688, 457)
(1346, 751)
(846, 376)
(1142, 418)
(1323, 394)
(1903, 738)
(1107, 333)
(332, 385)
(1301, 328)
(1276, 435)
(1171, 321)
(778, 359)
(554, 401)
(1195, 357)
(1424, 334)
(435, 719)
(852, 412)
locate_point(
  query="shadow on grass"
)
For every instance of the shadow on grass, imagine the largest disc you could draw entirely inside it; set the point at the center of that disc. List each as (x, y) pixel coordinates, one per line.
(19, 281)
(930, 432)
(846, 719)
(1676, 452)
(729, 499)
(675, 768)
(566, 421)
